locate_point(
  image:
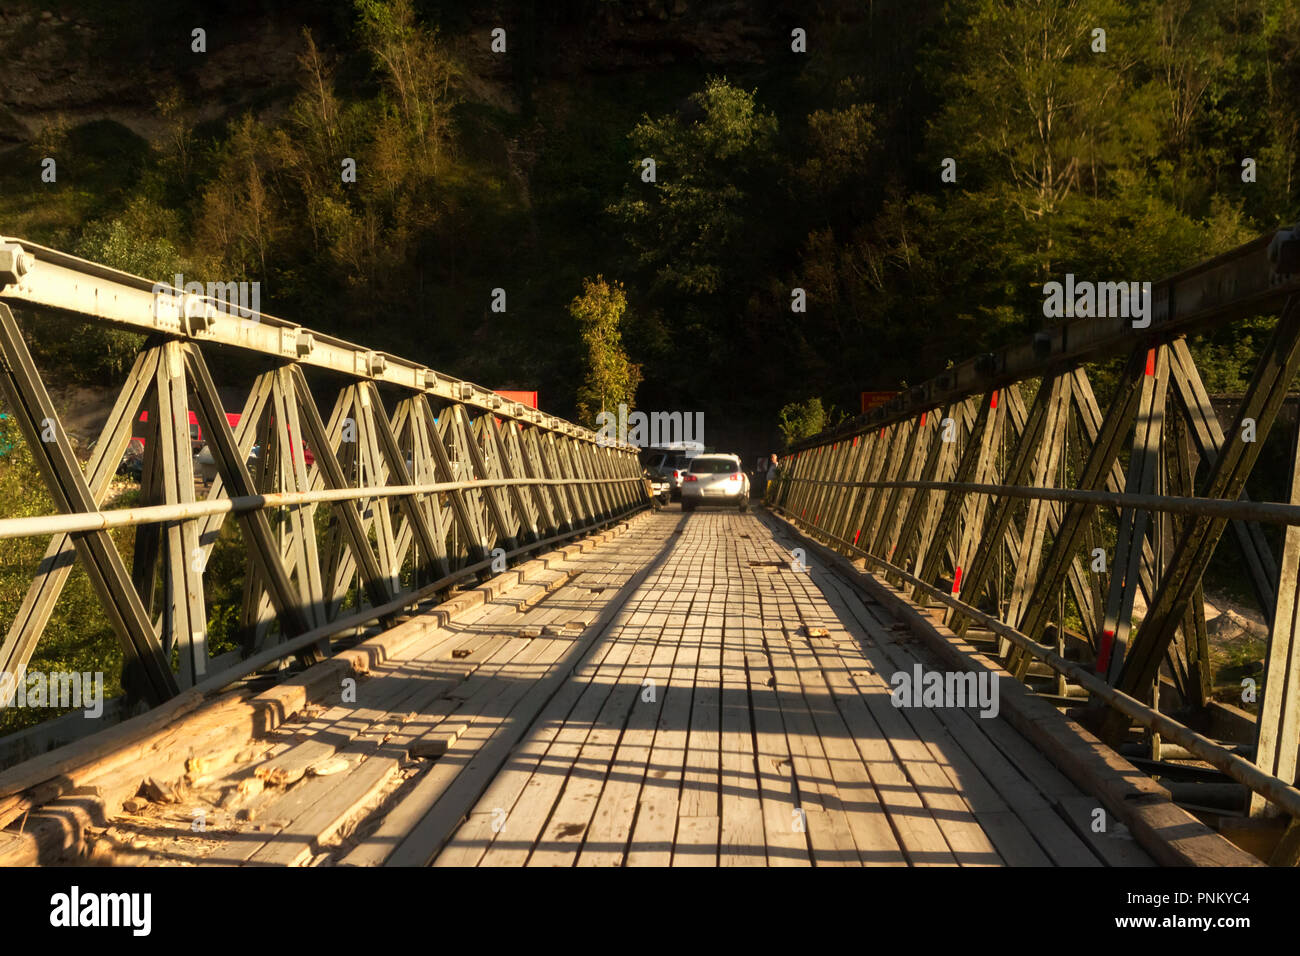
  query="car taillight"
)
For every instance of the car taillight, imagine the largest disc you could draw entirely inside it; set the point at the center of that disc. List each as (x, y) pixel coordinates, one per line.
(676, 473)
(736, 477)
(691, 478)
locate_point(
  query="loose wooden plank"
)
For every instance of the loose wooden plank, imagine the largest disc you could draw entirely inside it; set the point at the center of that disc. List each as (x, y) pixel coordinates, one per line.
(152, 742)
(414, 690)
(328, 804)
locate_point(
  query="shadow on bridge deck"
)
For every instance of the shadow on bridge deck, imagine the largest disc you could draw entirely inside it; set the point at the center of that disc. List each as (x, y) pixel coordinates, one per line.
(678, 695)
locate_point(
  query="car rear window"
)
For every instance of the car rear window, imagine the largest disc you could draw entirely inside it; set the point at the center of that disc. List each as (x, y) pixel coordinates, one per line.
(713, 466)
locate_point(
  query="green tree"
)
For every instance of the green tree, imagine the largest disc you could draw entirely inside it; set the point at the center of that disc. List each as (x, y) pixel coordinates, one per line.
(416, 73)
(78, 636)
(799, 420)
(134, 242)
(611, 379)
(840, 141)
(689, 226)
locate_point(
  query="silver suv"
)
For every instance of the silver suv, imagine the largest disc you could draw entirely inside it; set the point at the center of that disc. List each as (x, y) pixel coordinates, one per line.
(717, 479)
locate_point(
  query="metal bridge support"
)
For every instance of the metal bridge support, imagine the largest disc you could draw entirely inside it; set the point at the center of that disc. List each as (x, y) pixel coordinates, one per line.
(25, 394)
(1035, 451)
(1264, 396)
(172, 550)
(392, 511)
(60, 556)
(942, 485)
(1277, 741)
(1143, 476)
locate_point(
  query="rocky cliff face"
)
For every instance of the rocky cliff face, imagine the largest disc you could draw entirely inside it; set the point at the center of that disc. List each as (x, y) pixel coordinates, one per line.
(84, 66)
(81, 69)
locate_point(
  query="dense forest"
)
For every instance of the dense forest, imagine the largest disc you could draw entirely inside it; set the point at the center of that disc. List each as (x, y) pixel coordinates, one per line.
(794, 146)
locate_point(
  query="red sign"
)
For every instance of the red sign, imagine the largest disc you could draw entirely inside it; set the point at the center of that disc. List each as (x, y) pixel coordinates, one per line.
(523, 398)
(872, 400)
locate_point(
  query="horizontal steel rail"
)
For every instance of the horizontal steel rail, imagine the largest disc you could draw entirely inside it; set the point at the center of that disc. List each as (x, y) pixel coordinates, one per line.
(1237, 284)
(1271, 512)
(49, 279)
(156, 514)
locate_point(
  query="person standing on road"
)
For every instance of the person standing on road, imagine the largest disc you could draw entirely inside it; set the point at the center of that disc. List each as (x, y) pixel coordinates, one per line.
(767, 473)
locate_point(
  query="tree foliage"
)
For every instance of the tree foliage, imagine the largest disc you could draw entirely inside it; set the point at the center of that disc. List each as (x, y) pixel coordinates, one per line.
(689, 225)
(78, 637)
(799, 420)
(611, 379)
(134, 242)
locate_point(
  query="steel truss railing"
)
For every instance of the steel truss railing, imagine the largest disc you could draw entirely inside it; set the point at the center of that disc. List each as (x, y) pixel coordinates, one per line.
(432, 493)
(998, 508)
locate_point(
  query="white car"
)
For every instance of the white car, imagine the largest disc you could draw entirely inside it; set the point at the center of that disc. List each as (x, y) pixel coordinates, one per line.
(715, 479)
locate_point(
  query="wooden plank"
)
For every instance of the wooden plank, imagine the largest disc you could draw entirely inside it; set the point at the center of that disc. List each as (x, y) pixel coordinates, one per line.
(701, 780)
(435, 807)
(658, 804)
(699, 806)
(292, 822)
(471, 840)
(491, 813)
(970, 733)
(696, 843)
(880, 792)
(394, 688)
(743, 842)
(820, 804)
(1058, 841)
(906, 827)
(787, 845)
(565, 831)
(606, 842)
(528, 818)
(321, 805)
(317, 808)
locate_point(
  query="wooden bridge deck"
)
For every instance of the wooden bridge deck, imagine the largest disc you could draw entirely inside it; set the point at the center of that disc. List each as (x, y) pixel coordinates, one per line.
(674, 696)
